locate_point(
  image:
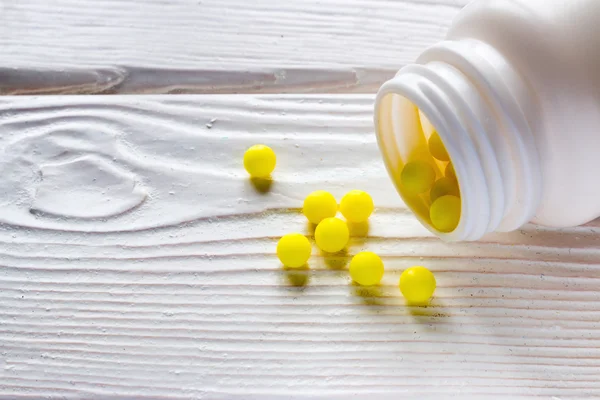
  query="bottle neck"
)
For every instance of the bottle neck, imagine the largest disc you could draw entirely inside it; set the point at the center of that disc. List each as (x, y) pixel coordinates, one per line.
(476, 102)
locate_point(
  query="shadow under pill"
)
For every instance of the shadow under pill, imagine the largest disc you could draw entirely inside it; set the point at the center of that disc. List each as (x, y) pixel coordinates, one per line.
(358, 229)
(297, 277)
(310, 228)
(336, 261)
(369, 295)
(358, 232)
(262, 185)
(425, 311)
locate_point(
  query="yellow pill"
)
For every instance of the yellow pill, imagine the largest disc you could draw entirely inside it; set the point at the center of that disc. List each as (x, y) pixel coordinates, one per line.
(259, 161)
(417, 285)
(332, 235)
(444, 187)
(319, 205)
(445, 213)
(357, 206)
(420, 153)
(449, 172)
(293, 250)
(417, 177)
(366, 269)
(437, 148)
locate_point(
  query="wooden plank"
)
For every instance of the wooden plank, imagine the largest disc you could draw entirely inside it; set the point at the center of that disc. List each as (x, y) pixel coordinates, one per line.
(138, 260)
(213, 46)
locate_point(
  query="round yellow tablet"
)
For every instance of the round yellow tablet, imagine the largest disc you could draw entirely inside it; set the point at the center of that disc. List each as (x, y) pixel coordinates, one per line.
(420, 153)
(449, 172)
(357, 206)
(443, 187)
(332, 235)
(437, 148)
(259, 161)
(417, 177)
(366, 269)
(293, 250)
(319, 205)
(445, 213)
(417, 285)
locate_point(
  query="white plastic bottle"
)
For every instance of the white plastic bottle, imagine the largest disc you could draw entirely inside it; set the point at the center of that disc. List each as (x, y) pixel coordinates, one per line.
(514, 93)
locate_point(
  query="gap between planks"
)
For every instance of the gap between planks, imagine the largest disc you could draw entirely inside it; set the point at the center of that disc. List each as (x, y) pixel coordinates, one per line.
(213, 46)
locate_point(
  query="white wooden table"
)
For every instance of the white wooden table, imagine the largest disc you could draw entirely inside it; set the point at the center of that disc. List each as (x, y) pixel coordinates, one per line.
(137, 260)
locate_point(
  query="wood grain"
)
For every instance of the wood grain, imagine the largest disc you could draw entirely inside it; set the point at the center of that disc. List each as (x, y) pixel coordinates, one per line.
(213, 46)
(182, 296)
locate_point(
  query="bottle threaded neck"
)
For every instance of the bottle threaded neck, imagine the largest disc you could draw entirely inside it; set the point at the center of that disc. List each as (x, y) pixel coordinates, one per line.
(461, 88)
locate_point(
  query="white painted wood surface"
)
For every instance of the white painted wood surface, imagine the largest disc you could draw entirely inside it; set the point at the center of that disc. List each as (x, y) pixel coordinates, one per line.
(137, 261)
(208, 46)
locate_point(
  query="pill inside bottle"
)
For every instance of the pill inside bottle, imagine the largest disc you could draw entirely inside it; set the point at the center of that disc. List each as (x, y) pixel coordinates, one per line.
(419, 163)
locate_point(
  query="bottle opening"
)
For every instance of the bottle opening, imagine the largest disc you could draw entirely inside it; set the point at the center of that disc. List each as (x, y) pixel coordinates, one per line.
(454, 111)
(419, 163)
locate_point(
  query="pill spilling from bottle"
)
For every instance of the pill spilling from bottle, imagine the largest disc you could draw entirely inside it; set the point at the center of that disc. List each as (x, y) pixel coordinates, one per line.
(332, 233)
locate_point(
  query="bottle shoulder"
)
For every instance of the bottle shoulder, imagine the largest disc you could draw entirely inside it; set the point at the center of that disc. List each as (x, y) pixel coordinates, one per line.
(556, 35)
